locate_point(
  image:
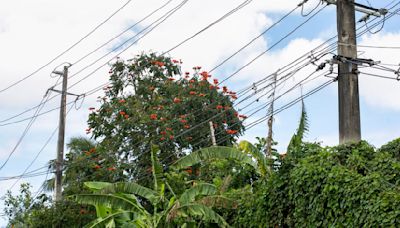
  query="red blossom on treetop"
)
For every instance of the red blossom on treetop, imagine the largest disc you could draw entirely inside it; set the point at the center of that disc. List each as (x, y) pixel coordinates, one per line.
(192, 92)
(231, 132)
(111, 168)
(153, 116)
(177, 100)
(122, 101)
(219, 107)
(158, 63)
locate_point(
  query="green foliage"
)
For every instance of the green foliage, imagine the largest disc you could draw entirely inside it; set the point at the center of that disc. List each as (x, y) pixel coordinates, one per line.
(123, 204)
(297, 138)
(392, 147)
(25, 211)
(346, 186)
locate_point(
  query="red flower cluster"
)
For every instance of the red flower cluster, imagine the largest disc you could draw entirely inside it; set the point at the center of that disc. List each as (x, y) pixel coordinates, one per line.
(122, 113)
(205, 75)
(171, 79)
(231, 132)
(122, 101)
(158, 63)
(219, 107)
(197, 68)
(183, 121)
(215, 81)
(97, 167)
(91, 108)
(175, 61)
(88, 130)
(186, 126)
(177, 100)
(111, 168)
(192, 92)
(153, 116)
(202, 95)
(242, 116)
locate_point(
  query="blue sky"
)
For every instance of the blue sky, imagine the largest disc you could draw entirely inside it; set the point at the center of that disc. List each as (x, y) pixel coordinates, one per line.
(31, 34)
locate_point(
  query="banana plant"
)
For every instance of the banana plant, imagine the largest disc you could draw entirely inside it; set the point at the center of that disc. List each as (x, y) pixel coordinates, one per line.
(118, 205)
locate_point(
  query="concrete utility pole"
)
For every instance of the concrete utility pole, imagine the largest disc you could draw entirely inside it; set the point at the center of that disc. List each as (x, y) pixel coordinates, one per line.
(349, 107)
(61, 136)
(268, 151)
(212, 130)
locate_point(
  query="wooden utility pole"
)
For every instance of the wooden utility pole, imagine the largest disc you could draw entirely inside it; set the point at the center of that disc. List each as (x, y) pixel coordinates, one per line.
(61, 136)
(349, 107)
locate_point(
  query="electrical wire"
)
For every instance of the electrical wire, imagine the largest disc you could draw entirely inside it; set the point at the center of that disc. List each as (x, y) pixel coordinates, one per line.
(240, 6)
(379, 76)
(255, 38)
(123, 32)
(40, 151)
(66, 50)
(26, 130)
(275, 44)
(293, 62)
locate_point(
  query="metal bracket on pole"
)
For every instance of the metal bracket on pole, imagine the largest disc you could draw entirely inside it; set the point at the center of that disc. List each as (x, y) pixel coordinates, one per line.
(364, 9)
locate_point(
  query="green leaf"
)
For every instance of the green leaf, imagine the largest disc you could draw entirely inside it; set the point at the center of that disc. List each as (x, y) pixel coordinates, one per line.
(211, 153)
(250, 149)
(200, 189)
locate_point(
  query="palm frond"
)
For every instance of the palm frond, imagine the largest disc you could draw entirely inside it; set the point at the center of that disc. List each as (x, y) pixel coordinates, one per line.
(297, 138)
(203, 189)
(116, 201)
(211, 153)
(203, 212)
(132, 188)
(250, 149)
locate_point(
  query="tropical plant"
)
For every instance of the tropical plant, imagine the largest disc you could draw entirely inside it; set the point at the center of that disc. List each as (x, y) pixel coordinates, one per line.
(123, 204)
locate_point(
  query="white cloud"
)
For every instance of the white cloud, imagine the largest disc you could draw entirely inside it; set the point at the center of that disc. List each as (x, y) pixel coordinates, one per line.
(378, 92)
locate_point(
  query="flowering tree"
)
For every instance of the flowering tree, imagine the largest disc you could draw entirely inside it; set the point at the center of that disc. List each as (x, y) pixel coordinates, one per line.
(150, 101)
